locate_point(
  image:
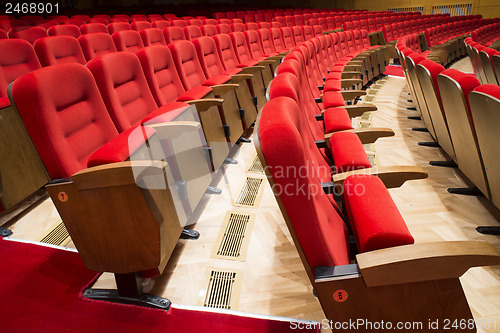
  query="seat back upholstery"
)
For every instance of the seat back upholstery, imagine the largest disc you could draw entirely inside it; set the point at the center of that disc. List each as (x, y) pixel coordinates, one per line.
(127, 40)
(96, 44)
(152, 36)
(209, 30)
(319, 229)
(161, 74)
(29, 34)
(123, 87)
(173, 34)
(65, 116)
(118, 26)
(18, 58)
(58, 49)
(140, 25)
(64, 30)
(192, 32)
(187, 64)
(90, 28)
(240, 46)
(226, 51)
(209, 56)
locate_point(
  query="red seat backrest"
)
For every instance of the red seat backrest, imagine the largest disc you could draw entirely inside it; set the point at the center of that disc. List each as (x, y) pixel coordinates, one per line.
(118, 26)
(173, 34)
(209, 57)
(90, 28)
(192, 32)
(152, 36)
(65, 116)
(187, 64)
(161, 74)
(160, 24)
(240, 46)
(140, 25)
(64, 30)
(223, 28)
(226, 51)
(58, 50)
(123, 88)
(209, 30)
(96, 45)
(29, 34)
(127, 40)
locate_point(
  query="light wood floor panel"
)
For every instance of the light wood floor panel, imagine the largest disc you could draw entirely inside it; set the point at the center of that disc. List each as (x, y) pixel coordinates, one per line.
(274, 281)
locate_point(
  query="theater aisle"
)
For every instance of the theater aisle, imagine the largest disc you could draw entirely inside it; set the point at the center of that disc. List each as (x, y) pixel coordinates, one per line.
(265, 274)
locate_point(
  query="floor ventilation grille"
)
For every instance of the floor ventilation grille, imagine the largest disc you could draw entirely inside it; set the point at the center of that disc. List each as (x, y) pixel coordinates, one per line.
(223, 289)
(250, 193)
(234, 237)
(57, 235)
(256, 166)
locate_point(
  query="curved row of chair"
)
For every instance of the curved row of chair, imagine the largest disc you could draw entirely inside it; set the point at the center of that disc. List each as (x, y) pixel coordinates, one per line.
(484, 55)
(291, 135)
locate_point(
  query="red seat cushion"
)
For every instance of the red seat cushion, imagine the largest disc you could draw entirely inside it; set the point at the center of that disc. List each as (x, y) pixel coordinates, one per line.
(121, 147)
(232, 71)
(334, 76)
(333, 85)
(167, 112)
(248, 63)
(194, 93)
(332, 99)
(216, 80)
(4, 102)
(336, 119)
(348, 152)
(375, 219)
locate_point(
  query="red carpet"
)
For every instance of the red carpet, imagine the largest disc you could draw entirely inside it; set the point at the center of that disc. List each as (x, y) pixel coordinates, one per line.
(394, 70)
(40, 291)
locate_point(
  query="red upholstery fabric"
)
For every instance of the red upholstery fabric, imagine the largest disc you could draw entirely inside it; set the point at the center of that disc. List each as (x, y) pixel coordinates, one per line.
(348, 152)
(376, 221)
(192, 32)
(64, 30)
(319, 228)
(123, 87)
(152, 36)
(118, 26)
(18, 58)
(96, 44)
(336, 119)
(489, 89)
(140, 25)
(65, 116)
(121, 147)
(187, 64)
(333, 85)
(333, 99)
(210, 61)
(58, 50)
(29, 34)
(195, 93)
(161, 74)
(91, 28)
(165, 113)
(127, 40)
(173, 34)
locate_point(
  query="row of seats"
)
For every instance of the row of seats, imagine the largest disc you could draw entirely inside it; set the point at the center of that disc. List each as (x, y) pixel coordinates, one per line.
(482, 48)
(449, 102)
(300, 129)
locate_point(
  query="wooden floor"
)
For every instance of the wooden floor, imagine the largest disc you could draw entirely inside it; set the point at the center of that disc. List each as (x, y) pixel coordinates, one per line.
(273, 279)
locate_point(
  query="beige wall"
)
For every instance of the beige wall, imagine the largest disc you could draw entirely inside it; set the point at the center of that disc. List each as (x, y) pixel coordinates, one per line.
(487, 8)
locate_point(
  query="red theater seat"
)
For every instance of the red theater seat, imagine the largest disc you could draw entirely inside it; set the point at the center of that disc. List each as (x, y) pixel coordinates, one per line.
(127, 40)
(152, 36)
(59, 49)
(64, 30)
(96, 44)
(29, 34)
(90, 28)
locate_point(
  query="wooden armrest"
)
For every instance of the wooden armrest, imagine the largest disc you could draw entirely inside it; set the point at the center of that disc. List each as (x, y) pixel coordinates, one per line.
(241, 77)
(221, 89)
(357, 109)
(206, 103)
(350, 74)
(424, 262)
(173, 129)
(352, 94)
(352, 68)
(266, 62)
(346, 83)
(252, 69)
(393, 176)
(275, 58)
(116, 174)
(366, 135)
